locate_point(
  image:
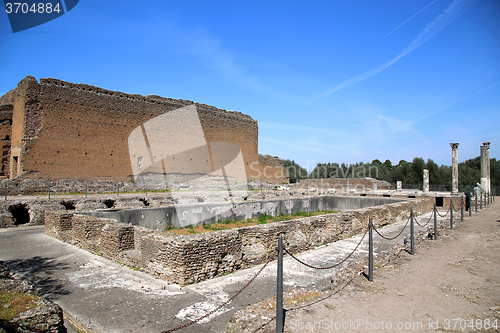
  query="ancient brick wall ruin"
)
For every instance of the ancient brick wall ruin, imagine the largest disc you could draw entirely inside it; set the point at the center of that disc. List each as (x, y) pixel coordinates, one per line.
(189, 259)
(62, 130)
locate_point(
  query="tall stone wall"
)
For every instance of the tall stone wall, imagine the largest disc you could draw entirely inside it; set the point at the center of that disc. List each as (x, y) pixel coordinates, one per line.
(5, 138)
(62, 130)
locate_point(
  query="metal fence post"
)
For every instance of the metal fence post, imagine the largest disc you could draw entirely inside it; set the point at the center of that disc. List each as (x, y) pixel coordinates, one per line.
(279, 289)
(5, 191)
(412, 236)
(435, 223)
(117, 190)
(470, 207)
(462, 210)
(476, 203)
(481, 201)
(86, 190)
(49, 190)
(370, 250)
(451, 214)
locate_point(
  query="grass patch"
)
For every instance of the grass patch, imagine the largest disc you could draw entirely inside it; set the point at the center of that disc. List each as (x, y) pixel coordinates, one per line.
(13, 303)
(230, 224)
(290, 299)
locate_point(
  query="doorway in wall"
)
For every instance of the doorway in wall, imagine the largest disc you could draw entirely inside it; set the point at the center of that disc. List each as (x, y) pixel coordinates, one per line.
(15, 164)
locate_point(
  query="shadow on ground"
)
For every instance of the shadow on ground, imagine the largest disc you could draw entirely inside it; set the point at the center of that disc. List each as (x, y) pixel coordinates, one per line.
(41, 272)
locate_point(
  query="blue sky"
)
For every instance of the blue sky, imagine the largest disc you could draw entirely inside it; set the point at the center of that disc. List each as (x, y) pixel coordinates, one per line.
(328, 81)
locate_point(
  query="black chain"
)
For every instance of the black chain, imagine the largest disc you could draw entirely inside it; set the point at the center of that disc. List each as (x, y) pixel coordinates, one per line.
(416, 221)
(386, 238)
(226, 302)
(444, 214)
(329, 267)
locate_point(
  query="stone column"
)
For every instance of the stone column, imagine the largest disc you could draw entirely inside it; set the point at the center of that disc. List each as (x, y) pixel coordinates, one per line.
(454, 166)
(485, 166)
(426, 180)
(399, 185)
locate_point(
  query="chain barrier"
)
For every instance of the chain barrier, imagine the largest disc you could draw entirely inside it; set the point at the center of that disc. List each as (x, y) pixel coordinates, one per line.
(329, 267)
(392, 238)
(424, 225)
(308, 265)
(437, 211)
(458, 209)
(226, 302)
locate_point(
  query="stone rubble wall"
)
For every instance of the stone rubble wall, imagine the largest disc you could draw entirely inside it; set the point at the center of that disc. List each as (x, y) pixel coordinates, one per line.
(45, 317)
(37, 206)
(188, 259)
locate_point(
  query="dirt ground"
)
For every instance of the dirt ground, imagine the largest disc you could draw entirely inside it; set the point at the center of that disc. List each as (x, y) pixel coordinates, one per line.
(449, 285)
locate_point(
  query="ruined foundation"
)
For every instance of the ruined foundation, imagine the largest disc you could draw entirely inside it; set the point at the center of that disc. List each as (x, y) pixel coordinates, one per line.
(188, 259)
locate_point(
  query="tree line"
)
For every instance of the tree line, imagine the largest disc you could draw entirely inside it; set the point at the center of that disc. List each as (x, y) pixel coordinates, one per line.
(469, 172)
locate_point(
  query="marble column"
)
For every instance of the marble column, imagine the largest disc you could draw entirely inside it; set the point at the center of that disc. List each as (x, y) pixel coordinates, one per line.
(454, 166)
(426, 180)
(485, 166)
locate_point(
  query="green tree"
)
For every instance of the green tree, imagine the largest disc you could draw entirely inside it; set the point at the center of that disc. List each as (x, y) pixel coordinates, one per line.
(388, 165)
(434, 174)
(295, 171)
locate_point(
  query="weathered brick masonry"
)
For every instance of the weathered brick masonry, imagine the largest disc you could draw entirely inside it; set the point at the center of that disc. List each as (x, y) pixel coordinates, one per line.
(61, 130)
(188, 259)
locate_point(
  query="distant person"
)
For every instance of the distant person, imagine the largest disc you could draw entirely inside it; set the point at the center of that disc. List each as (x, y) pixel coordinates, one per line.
(467, 200)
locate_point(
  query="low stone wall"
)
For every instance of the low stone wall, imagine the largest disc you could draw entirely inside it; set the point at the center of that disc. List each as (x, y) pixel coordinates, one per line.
(188, 259)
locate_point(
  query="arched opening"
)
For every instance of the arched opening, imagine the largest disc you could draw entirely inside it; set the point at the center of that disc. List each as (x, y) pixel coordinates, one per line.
(20, 214)
(69, 205)
(110, 203)
(144, 201)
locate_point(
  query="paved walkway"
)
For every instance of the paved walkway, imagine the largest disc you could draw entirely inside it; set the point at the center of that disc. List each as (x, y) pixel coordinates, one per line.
(107, 297)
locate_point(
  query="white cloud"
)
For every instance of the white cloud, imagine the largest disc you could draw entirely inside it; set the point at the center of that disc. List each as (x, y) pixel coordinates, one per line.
(399, 26)
(454, 10)
(218, 59)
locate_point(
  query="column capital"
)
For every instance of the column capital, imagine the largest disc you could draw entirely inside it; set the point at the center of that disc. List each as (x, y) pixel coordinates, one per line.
(487, 144)
(454, 146)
